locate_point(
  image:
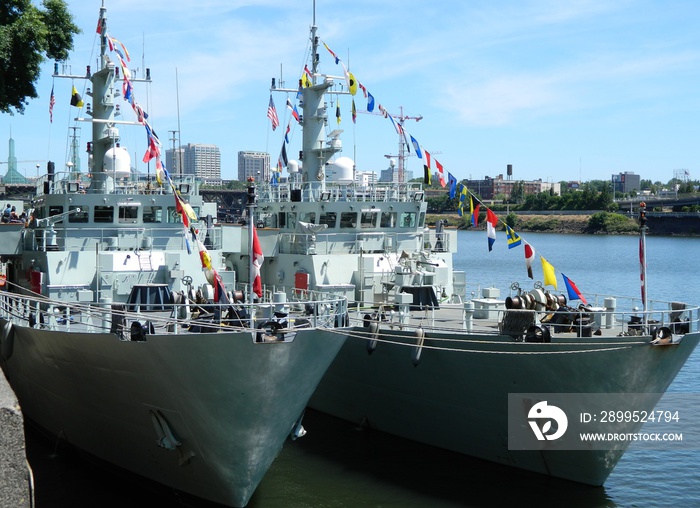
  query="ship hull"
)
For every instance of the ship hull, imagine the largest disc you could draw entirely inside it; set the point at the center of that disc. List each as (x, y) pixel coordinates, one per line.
(458, 400)
(204, 414)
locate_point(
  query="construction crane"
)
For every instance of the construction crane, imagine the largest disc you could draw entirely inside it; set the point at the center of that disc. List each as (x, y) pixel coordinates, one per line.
(401, 118)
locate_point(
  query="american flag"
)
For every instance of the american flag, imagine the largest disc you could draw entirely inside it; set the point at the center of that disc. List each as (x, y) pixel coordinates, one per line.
(272, 114)
(52, 101)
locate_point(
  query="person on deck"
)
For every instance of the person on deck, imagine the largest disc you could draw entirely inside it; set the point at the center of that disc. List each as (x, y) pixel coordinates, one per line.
(6, 213)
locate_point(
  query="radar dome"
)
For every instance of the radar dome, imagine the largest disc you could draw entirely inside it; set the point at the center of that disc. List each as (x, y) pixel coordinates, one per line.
(342, 169)
(118, 161)
(293, 166)
(392, 163)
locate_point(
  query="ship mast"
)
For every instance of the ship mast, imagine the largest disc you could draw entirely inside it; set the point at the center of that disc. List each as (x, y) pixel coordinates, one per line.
(317, 147)
(643, 255)
(104, 133)
(103, 109)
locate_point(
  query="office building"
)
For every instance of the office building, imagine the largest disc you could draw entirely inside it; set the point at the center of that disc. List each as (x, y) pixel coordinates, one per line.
(255, 164)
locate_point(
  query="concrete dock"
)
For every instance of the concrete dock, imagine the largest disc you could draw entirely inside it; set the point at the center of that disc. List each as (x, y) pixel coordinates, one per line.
(15, 485)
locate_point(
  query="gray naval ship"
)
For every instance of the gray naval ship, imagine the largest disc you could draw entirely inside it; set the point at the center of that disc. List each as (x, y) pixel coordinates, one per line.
(133, 325)
(421, 360)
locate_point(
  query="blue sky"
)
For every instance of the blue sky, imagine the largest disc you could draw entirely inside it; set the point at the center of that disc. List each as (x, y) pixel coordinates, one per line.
(562, 90)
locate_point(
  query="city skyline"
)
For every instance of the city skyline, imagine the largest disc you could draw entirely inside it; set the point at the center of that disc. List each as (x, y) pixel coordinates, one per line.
(562, 91)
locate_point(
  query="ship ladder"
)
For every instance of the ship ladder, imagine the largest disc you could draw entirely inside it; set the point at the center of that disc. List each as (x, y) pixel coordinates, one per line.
(146, 264)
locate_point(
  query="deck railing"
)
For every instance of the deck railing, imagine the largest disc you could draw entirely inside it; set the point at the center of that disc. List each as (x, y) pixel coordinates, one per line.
(310, 310)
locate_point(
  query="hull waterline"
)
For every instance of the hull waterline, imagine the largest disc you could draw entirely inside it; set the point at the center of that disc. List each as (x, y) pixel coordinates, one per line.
(203, 414)
(459, 400)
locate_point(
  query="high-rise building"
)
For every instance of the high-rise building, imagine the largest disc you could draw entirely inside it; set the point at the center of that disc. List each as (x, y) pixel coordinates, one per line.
(391, 174)
(201, 161)
(255, 164)
(174, 160)
(626, 182)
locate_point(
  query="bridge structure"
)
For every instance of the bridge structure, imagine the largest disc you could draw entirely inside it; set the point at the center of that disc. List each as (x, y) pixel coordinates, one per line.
(230, 203)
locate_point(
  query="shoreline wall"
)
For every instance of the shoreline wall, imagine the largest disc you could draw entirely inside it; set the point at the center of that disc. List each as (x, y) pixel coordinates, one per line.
(14, 468)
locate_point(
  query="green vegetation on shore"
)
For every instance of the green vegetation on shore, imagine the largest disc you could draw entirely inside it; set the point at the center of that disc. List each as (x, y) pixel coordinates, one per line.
(598, 223)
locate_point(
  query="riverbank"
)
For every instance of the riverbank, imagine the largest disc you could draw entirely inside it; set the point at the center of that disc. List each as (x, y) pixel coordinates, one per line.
(582, 224)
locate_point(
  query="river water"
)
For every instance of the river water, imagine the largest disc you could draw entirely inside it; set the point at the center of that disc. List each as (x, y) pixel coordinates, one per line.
(337, 465)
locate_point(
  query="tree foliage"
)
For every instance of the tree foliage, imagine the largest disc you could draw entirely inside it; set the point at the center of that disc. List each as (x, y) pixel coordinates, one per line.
(29, 35)
(593, 195)
(612, 223)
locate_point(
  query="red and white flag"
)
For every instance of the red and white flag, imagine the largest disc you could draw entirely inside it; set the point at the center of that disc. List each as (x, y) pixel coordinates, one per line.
(257, 260)
(529, 258)
(491, 225)
(441, 173)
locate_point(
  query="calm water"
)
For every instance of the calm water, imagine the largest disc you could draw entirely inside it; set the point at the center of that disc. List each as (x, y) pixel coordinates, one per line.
(337, 466)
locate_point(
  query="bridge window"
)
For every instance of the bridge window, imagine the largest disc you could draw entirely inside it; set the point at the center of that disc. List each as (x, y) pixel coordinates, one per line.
(81, 216)
(152, 214)
(328, 218)
(128, 214)
(388, 220)
(56, 210)
(408, 220)
(173, 216)
(421, 221)
(309, 217)
(348, 220)
(291, 220)
(104, 214)
(368, 219)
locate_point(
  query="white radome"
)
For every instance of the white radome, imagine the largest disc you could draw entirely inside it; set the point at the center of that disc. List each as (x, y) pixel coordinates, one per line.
(118, 161)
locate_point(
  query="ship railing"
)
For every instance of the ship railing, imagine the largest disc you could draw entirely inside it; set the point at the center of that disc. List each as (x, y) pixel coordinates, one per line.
(440, 242)
(349, 243)
(601, 315)
(326, 310)
(115, 238)
(76, 182)
(335, 191)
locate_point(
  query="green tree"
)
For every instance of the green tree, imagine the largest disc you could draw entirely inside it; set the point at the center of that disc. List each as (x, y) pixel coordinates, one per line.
(29, 35)
(236, 185)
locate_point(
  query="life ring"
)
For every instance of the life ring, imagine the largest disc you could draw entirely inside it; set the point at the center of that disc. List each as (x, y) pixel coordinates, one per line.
(7, 338)
(3, 280)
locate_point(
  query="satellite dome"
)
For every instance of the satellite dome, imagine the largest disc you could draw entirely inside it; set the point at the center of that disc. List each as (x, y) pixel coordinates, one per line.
(293, 166)
(343, 169)
(118, 161)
